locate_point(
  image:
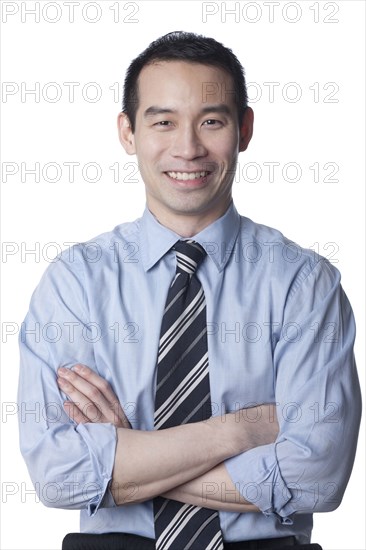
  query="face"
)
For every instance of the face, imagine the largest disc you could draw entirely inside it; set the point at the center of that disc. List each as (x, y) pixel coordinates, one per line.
(187, 140)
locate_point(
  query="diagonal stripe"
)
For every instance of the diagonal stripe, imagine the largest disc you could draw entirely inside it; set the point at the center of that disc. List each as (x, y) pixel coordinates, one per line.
(174, 280)
(172, 302)
(184, 386)
(200, 529)
(191, 374)
(188, 314)
(181, 328)
(180, 359)
(176, 527)
(185, 265)
(177, 519)
(199, 296)
(164, 505)
(216, 543)
(197, 408)
(182, 398)
(184, 260)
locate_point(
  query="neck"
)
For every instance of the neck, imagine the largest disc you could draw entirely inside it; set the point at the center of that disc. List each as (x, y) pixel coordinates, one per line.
(187, 226)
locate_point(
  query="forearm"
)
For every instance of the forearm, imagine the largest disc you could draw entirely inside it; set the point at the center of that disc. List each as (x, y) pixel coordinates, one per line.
(157, 461)
(213, 489)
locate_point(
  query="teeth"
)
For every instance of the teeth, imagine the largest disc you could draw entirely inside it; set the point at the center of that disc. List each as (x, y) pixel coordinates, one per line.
(187, 175)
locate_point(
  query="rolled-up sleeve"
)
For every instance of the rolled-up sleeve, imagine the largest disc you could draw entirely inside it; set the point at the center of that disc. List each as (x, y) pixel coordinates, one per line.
(318, 404)
(70, 465)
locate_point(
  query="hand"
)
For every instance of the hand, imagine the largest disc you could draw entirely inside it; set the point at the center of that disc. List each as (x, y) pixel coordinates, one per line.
(91, 397)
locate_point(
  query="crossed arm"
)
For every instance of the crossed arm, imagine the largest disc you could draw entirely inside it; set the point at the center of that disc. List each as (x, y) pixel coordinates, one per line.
(185, 463)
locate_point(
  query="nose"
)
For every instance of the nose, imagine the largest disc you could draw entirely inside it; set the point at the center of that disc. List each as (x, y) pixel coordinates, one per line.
(188, 144)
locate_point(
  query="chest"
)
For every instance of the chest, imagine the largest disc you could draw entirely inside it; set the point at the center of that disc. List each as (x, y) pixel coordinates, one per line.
(242, 327)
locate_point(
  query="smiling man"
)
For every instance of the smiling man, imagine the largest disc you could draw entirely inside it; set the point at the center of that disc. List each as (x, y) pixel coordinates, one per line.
(187, 137)
(194, 406)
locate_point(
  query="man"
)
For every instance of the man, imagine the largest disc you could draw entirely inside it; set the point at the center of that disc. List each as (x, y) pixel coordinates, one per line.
(272, 434)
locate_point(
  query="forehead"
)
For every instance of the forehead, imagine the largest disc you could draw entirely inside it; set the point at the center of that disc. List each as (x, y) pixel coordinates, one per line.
(181, 81)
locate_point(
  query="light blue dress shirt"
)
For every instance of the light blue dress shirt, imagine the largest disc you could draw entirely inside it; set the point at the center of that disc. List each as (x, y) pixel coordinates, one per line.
(280, 330)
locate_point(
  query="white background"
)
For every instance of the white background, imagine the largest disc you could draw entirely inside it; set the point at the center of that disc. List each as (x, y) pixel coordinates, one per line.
(328, 128)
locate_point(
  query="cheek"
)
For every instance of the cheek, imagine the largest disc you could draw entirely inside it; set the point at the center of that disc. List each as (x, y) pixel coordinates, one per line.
(150, 149)
(228, 158)
(225, 147)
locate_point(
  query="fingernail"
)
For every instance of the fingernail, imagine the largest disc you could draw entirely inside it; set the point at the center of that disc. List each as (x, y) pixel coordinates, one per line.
(77, 368)
(62, 371)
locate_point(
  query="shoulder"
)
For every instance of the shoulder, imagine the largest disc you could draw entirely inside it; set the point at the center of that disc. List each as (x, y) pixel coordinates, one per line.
(282, 259)
(97, 254)
(101, 247)
(123, 233)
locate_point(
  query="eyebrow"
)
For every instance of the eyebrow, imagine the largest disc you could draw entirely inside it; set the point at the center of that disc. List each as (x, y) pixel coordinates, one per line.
(220, 108)
(152, 111)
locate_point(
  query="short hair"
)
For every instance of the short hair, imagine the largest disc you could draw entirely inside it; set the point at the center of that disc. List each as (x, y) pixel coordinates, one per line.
(191, 48)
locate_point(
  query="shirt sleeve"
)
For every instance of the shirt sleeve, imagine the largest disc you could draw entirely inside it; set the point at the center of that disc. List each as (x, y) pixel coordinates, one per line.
(70, 465)
(318, 405)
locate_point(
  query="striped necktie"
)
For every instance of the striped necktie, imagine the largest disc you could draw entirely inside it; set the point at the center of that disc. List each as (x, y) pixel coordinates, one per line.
(183, 396)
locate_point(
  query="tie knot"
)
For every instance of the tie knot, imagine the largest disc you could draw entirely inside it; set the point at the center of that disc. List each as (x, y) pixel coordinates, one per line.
(189, 255)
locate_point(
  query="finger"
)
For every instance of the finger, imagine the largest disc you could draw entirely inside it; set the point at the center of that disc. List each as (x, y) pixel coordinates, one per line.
(75, 413)
(95, 380)
(87, 408)
(89, 383)
(90, 390)
(109, 402)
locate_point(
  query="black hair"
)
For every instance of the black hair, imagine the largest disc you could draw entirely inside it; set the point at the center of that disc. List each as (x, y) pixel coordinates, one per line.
(188, 47)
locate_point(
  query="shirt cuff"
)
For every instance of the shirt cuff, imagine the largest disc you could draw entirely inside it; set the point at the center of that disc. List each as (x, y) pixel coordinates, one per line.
(257, 477)
(101, 441)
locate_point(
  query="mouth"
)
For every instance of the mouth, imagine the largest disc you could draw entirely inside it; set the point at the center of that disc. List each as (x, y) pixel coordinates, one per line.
(189, 177)
(184, 176)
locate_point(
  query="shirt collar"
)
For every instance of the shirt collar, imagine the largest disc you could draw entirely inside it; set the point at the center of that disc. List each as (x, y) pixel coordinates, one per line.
(218, 239)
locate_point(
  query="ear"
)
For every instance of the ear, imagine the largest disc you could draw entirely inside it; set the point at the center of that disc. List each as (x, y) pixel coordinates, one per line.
(125, 134)
(246, 130)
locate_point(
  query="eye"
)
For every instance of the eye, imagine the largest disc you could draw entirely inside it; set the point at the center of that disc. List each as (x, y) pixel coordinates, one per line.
(212, 122)
(163, 123)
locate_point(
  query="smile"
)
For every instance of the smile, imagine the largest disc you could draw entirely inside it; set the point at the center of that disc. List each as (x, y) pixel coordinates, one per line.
(184, 176)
